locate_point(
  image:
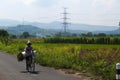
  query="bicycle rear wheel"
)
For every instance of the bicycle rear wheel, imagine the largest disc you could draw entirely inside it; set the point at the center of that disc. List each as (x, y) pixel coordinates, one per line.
(33, 67)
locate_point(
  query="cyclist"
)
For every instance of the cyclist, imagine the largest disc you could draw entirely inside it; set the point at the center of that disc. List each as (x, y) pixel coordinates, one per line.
(28, 56)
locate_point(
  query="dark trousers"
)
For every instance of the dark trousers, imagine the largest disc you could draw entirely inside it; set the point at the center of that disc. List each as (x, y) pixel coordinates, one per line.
(28, 61)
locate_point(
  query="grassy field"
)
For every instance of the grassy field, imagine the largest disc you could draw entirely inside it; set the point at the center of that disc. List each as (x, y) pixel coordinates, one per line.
(96, 59)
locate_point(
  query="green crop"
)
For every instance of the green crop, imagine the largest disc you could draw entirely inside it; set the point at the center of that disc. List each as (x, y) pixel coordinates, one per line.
(99, 60)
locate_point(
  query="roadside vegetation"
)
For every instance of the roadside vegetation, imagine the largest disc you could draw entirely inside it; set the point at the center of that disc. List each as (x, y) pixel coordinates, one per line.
(96, 59)
(94, 55)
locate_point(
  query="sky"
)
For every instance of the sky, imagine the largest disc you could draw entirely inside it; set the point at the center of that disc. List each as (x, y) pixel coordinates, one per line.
(96, 12)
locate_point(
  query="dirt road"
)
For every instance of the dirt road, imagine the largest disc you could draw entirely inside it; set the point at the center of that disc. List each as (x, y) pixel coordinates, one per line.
(11, 69)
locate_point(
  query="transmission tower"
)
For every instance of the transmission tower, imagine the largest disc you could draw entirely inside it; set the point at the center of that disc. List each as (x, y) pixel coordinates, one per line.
(119, 29)
(23, 22)
(65, 23)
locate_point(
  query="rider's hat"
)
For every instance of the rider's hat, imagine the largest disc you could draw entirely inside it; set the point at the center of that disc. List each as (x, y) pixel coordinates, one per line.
(28, 43)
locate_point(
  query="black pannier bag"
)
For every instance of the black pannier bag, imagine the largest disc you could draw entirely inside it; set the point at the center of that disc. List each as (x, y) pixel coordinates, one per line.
(20, 57)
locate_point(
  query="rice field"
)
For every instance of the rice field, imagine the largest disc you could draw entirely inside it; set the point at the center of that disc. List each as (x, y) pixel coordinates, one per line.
(96, 59)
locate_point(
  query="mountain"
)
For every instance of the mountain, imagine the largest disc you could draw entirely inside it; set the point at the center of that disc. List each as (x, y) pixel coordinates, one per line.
(39, 32)
(58, 25)
(23, 28)
(9, 22)
(50, 29)
(73, 26)
(33, 30)
(86, 27)
(117, 31)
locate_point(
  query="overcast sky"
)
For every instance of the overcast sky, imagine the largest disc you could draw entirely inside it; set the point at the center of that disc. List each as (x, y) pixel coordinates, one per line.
(98, 12)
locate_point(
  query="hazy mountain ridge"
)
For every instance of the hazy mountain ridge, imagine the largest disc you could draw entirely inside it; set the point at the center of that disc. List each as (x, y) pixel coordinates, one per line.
(73, 26)
(58, 25)
(51, 28)
(33, 30)
(9, 22)
(23, 28)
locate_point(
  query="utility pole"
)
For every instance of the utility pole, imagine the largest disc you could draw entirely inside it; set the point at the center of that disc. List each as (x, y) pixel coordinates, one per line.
(65, 23)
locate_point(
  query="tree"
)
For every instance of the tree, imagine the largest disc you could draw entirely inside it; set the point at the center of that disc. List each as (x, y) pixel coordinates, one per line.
(13, 36)
(102, 34)
(25, 35)
(83, 34)
(4, 37)
(3, 33)
(74, 34)
(89, 34)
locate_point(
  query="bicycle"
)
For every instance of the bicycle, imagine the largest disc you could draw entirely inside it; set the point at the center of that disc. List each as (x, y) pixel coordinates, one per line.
(30, 65)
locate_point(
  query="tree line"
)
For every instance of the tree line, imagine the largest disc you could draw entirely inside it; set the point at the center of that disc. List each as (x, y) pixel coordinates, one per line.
(88, 34)
(6, 38)
(4, 33)
(84, 40)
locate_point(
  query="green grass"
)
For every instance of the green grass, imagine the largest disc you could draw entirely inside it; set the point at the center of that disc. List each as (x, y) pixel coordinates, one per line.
(97, 59)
